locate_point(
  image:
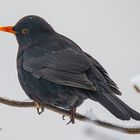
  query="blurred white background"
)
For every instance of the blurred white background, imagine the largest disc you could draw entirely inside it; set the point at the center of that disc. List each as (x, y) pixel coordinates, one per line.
(107, 29)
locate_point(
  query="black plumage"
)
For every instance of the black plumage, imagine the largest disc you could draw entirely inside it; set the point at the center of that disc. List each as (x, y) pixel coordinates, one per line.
(54, 70)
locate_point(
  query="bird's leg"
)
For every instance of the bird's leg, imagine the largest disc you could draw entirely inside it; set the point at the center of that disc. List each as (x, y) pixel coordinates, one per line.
(72, 113)
(39, 107)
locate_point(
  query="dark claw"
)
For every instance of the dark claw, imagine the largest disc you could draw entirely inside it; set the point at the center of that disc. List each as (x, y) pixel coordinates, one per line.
(40, 110)
(63, 117)
(71, 121)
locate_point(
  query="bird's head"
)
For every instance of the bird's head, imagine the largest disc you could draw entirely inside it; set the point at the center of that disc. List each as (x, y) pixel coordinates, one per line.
(28, 29)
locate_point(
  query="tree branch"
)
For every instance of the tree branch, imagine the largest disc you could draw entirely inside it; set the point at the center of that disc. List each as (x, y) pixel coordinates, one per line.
(79, 117)
(136, 88)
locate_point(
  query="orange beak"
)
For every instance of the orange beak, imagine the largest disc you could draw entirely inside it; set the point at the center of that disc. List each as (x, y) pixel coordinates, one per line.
(8, 29)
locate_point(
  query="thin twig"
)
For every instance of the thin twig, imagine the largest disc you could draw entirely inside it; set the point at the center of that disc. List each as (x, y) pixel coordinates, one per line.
(136, 88)
(77, 116)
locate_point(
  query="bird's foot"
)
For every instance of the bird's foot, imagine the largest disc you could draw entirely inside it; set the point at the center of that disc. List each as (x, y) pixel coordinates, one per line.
(72, 114)
(72, 120)
(40, 108)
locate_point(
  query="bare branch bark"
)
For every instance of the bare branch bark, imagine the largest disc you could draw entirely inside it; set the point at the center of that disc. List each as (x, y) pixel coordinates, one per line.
(79, 117)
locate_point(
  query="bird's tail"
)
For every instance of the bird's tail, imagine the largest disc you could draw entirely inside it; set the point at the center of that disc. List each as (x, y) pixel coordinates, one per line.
(117, 107)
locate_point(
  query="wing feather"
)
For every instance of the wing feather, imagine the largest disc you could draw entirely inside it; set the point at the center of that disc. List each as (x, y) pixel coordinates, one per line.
(110, 82)
(66, 67)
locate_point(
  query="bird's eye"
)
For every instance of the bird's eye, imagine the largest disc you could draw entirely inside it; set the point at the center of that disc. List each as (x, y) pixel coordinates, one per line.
(24, 31)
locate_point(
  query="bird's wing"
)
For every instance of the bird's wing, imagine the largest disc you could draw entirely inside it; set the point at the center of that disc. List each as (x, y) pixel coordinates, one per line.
(110, 82)
(65, 67)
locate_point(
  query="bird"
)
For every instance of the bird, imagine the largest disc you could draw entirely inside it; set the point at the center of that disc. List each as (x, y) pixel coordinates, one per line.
(52, 69)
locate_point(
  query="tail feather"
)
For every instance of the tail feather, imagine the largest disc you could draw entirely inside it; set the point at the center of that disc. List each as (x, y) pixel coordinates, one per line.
(115, 106)
(134, 114)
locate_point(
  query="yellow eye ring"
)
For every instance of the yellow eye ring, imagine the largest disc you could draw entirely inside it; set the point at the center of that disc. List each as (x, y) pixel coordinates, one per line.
(24, 31)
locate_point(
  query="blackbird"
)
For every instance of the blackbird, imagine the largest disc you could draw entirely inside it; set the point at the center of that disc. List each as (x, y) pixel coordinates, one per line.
(52, 69)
